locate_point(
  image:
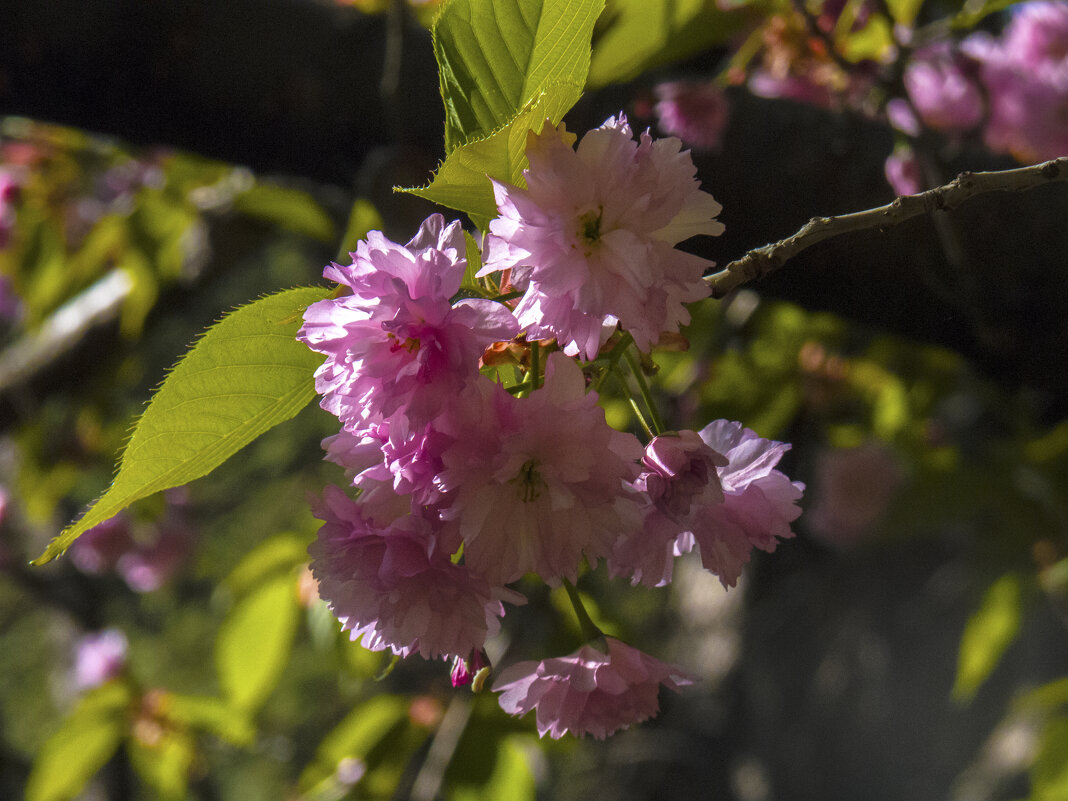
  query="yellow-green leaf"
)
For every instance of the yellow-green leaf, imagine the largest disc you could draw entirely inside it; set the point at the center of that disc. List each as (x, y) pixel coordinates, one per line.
(988, 633)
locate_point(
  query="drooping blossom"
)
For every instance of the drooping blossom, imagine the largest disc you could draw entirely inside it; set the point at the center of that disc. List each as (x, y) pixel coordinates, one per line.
(99, 657)
(396, 588)
(694, 112)
(534, 484)
(759, 502)
(903, 171)
(590, 691)
(591, 240)
(396, 345)
(680, 479)
(1025, 73)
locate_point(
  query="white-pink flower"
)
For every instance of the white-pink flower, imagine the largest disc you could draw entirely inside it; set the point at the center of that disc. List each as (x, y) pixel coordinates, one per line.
(396, 345)
(588, 692)
(535, 484)
(397, 588)
(759, 502)
(591, 240)
(99, 657)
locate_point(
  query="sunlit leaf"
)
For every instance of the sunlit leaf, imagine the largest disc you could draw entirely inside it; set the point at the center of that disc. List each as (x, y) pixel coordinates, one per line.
(255, 640)
(244, 376)
(495, 56)
(460, 183)
(287, 208)
(363, 218)
(988, 633)
(84, 743)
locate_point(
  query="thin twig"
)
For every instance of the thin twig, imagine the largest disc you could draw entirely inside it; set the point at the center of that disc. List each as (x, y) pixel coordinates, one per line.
(759, 262)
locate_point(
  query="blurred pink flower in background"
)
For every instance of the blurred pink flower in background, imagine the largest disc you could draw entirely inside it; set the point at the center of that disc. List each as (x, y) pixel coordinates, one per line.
(99, 657)
(853, 489)
(1025, 73)
(590, 691)
(943, 89)
(695, 112)
(903, 171)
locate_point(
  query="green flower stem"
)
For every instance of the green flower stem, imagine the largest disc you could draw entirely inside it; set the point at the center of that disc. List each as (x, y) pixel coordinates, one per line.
(589, 628)
(613, 359)
(637, 409)
(647, 396)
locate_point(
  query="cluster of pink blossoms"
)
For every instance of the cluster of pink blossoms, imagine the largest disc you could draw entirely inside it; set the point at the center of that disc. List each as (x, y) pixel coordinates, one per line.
(466, 486)
(1013, 88)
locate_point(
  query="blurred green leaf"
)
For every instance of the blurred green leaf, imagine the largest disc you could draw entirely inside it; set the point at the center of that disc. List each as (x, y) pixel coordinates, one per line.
(496, 56)
(1048, 697)
(164, 765)
(461, 181)
(635, 35)
(512, 777)
(84, 743)
(244, 376)
(988, 633)
(904, 11)
(355, 736)
(975, 10)
(255, 640)
(363, 218)
(212, 715)
(280, 553)
(287, 208)
(1049, 774)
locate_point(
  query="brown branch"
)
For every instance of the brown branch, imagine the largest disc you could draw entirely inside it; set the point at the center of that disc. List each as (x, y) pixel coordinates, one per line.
(761, 261)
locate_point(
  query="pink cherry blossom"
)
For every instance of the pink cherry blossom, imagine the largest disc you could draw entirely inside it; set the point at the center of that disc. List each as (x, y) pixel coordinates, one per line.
(759, 501)
(535, 484)
(395, 588)
(396, 345)
(591, 240)
(590, 691)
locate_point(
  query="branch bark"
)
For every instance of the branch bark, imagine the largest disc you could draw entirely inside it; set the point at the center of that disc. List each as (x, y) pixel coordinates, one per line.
(761, 261)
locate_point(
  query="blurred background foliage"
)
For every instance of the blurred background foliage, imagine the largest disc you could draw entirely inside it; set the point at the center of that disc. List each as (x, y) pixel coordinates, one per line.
(910, 643)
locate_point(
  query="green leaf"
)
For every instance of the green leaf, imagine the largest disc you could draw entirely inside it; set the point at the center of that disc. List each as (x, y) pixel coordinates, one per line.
(211, 714)
(287, 208)
(363, 218)
(355, 736)
(164, 765)
(247, 374)
(280, 553)
(512, 777)
(495, 56)
(988, 633)
(1049, 774)
(636, 35)
(84, 743)
(460, 183)
(255, 640)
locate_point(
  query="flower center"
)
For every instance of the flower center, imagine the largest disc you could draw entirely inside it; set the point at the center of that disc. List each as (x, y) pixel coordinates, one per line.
(410, 344)
(590, 224)
(528, 482)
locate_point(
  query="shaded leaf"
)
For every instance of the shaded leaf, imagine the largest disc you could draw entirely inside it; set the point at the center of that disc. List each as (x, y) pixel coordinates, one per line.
(84, 743)
(280, 553)
(255, 641)
(287, 208)
(213, 715)
(164, 765)
(244, 376)
(1049, 774)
